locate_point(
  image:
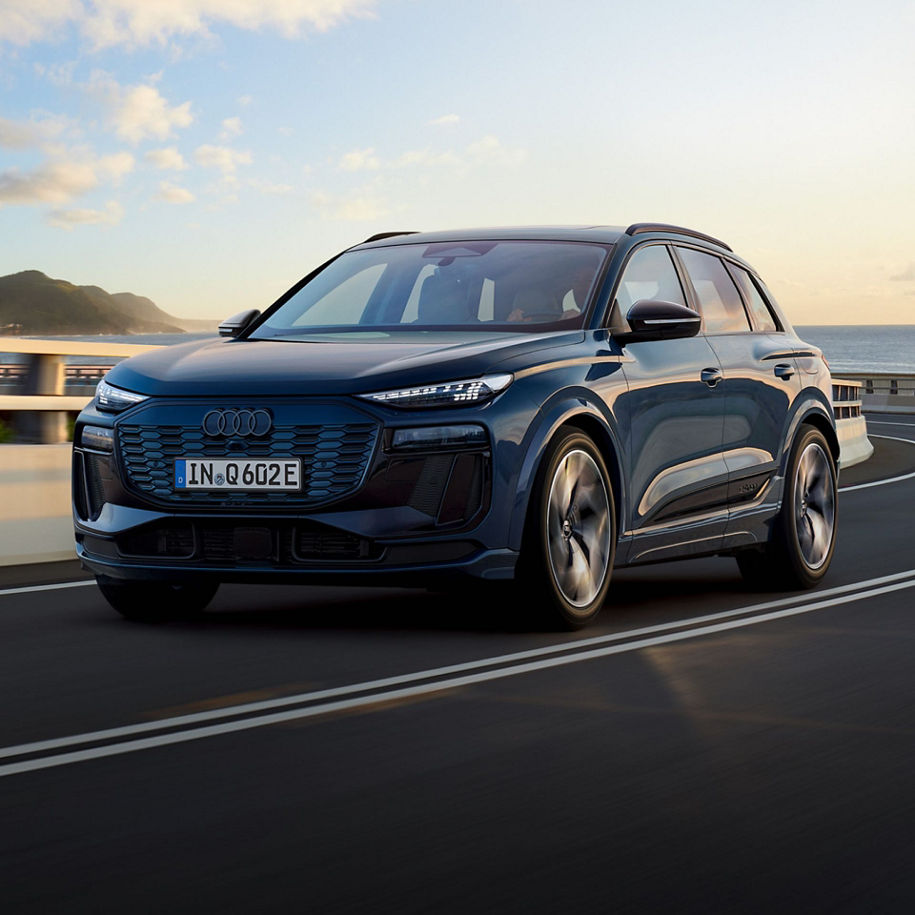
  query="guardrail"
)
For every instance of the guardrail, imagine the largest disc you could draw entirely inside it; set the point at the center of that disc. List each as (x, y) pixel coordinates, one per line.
(42, 405)
(883, 392)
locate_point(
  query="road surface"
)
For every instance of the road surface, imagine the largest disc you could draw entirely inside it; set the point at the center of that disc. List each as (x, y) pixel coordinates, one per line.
(701, 748)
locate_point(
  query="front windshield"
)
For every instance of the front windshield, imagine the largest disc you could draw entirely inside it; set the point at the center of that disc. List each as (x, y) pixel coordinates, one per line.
(474, 285)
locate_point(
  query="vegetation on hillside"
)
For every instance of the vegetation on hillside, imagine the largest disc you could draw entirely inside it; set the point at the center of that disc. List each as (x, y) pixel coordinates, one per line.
(33, 303)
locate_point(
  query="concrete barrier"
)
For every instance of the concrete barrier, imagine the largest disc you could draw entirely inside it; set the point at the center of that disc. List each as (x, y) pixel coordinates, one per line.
(35, 495)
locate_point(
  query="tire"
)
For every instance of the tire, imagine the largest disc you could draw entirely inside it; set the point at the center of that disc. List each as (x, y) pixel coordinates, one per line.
(153, 602)
(570, 537)
(803, 537)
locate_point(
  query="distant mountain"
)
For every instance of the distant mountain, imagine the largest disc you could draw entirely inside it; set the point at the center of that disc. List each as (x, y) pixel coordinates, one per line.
(32, 303)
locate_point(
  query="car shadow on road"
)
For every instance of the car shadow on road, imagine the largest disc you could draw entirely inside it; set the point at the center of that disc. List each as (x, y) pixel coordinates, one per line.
(637, 597)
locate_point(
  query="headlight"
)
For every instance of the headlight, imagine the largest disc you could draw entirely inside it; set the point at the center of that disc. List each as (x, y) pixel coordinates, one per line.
(425, 437)
(97, 438)
(449, 394)
(115, 399)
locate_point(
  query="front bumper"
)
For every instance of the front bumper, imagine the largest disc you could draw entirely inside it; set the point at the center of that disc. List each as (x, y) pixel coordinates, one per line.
(401, 517)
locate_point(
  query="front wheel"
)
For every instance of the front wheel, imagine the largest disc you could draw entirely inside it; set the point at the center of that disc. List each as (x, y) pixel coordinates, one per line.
(803, 537)
(570, 538)
(152, 602)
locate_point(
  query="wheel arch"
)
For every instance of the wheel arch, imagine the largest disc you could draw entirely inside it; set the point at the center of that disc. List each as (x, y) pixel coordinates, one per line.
(813, 413)
(586, 417)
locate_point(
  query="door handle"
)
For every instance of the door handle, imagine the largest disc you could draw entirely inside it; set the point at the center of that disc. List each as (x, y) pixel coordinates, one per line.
(711, 376)
(784, 370)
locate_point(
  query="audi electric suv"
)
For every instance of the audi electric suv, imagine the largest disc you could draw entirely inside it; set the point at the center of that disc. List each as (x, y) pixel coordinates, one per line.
(529, 406)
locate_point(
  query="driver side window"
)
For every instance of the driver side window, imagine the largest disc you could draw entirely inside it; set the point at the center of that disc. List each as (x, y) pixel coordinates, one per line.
(650, 274)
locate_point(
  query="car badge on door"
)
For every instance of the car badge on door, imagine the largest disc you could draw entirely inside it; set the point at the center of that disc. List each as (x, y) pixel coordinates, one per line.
(237, 422)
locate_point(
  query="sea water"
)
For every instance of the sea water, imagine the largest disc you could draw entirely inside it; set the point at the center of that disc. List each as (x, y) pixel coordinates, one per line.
(857, 348)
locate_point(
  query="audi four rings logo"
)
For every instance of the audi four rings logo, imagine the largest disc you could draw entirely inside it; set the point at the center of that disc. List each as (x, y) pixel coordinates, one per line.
(237, 422)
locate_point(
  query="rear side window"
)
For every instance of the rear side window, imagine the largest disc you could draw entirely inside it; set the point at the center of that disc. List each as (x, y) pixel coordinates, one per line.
(762, 316)
(719, 301)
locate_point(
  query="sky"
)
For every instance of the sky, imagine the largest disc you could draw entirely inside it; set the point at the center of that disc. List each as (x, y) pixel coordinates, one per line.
(209, 153)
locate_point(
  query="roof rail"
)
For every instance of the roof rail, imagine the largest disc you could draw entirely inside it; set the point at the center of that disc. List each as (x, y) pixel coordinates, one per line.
(638, 228)
(379, 236)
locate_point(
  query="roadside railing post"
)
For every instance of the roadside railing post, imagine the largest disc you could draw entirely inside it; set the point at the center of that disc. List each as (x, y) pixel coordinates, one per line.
(45, 375)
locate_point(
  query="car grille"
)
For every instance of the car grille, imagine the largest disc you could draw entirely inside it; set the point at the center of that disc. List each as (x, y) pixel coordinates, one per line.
(334, 461)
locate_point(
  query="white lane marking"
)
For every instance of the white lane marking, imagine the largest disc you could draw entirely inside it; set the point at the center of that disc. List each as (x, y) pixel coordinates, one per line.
(246, 724)
(884, 422)
(56, 587)
(907, 476)
(248, 708)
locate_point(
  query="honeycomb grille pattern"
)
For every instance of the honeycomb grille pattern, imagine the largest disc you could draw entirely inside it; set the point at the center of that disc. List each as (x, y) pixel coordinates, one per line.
(334, 461)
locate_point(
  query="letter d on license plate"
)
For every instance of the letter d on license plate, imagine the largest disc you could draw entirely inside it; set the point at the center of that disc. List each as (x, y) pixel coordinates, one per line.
(281, 474)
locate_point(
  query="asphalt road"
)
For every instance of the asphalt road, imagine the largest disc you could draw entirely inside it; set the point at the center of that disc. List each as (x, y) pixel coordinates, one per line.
(701, 748)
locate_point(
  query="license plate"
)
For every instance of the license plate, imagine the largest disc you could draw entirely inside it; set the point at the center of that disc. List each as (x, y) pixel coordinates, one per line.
(281, 474)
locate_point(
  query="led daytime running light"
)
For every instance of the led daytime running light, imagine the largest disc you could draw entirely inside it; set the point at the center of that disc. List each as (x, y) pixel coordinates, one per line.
(451, 393)
(116, 399)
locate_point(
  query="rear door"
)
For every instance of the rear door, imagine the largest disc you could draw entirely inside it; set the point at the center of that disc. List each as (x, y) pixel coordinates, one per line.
(760, 377)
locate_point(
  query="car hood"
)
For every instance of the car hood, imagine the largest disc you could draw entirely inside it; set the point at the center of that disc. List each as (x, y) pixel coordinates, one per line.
(327, 364)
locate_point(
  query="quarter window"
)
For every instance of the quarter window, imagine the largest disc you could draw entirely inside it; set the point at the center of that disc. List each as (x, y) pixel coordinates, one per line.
(719, 301)
(762, 317)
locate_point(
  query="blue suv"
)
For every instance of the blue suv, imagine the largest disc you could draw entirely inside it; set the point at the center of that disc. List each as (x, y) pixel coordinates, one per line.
(527, 405)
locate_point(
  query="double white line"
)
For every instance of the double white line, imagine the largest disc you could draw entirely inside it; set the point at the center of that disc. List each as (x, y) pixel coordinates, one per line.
(44, 754)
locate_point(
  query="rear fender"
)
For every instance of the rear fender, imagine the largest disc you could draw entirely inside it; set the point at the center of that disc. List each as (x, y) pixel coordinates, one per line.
(815, 410)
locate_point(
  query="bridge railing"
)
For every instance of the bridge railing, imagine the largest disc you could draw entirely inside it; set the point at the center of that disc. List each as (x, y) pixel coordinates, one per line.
(41, 402)
(883, 392)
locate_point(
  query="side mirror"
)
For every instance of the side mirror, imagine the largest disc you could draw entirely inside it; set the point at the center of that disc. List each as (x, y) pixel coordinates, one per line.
(233, 327)
(652, 319)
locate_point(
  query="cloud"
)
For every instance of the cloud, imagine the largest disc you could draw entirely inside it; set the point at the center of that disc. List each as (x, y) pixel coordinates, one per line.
(358, 206)
(426, 158)
(171, 193)
(907, 275)
(487, 151)
(224, 158)
(51, 182)
(490, 150)
(69, 219)
(17, 135)
(107, 23)
(23, 23)
(359, 160)
(167, 158)
(231, 127)
(245, 100)
(141, 112)
(116, 166)
(61, 179)
(446, 120)
(268, 187)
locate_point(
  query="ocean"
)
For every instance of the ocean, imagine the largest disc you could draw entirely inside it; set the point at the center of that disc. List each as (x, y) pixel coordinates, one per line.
(862, 348)
(858, 348)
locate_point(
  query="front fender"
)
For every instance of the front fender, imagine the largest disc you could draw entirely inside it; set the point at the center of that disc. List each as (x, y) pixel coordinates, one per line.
(581, 409)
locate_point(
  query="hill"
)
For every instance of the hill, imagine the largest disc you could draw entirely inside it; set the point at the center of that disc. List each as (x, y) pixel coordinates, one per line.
(33, 303)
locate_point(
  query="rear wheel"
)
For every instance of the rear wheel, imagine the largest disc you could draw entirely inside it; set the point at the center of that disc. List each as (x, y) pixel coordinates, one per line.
(152, 602)
(570, 539)
(803, 537)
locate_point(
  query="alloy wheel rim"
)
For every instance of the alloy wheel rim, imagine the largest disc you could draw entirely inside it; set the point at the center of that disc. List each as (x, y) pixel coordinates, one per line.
(814, 505)
(578, 528)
